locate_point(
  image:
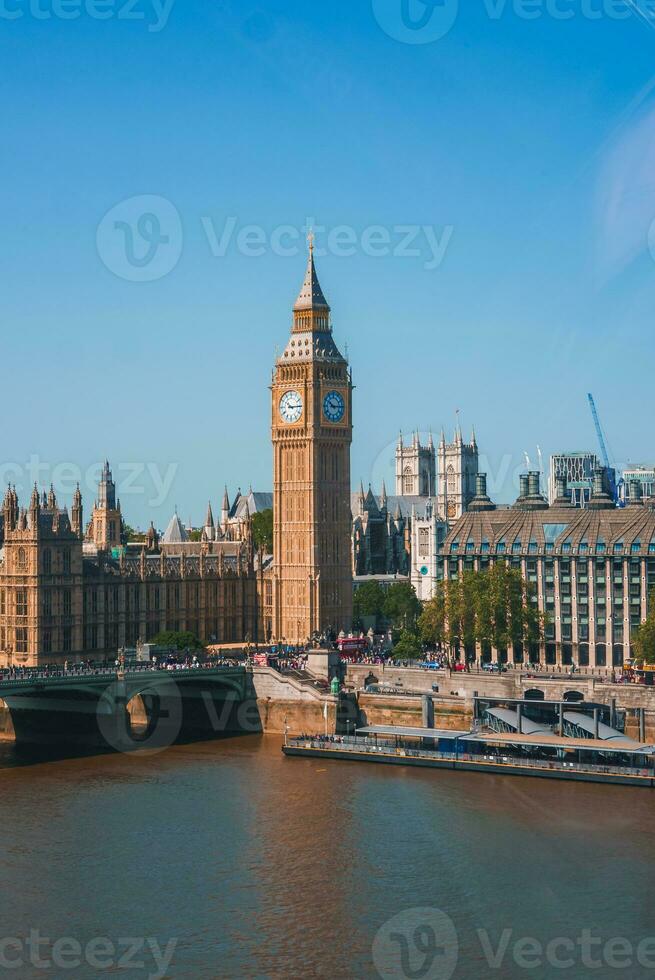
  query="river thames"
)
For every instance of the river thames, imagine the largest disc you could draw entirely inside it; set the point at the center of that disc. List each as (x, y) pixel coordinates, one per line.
(225, 859)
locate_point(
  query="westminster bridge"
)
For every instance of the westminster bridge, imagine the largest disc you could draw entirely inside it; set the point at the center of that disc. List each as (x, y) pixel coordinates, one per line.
(137, 707)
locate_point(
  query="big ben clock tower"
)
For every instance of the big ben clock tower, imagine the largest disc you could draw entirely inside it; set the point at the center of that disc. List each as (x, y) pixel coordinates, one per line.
(311, 432)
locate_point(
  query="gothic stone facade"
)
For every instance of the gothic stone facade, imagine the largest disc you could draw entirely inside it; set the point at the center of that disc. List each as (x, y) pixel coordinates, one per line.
(380, 534)
(57, 604)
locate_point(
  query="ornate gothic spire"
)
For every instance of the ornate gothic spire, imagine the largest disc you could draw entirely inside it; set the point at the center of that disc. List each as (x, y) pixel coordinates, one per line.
(77, 513)
(311, 295)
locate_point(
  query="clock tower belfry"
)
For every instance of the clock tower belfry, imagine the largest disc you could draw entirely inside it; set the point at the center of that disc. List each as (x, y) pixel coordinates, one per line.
(311, 432)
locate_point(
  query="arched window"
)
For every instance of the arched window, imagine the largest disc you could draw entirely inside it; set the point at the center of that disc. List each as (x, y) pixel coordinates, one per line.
(21, 559)
(452, 483)
(408, 482)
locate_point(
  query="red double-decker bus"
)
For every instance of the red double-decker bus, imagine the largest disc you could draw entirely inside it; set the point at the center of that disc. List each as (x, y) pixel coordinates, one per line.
(352, 647)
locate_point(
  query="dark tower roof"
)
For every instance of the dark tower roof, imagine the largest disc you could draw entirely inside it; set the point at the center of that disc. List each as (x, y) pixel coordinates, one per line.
(311, 295)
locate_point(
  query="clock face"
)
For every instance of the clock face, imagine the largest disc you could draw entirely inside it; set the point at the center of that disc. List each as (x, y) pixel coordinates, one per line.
(334, 406)
(291, 406)
(452, 509)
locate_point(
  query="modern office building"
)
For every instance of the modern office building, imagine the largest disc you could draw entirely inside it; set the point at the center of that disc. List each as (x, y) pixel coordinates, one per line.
(593, 568)
(644, 475)
(577, 470)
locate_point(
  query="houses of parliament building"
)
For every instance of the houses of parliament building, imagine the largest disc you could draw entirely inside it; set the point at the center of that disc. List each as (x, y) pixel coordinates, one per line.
(70, 590)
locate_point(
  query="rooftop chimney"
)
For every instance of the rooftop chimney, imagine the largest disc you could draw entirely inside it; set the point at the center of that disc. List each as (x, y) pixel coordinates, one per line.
(562, 497)
(530, 497)
(636, 493)
(600, 498)
(481, 501)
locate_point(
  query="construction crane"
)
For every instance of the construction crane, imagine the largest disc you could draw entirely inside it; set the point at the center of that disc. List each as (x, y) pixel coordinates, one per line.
(611, 472)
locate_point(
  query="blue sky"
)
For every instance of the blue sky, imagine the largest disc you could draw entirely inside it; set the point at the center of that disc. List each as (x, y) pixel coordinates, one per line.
(525, 147)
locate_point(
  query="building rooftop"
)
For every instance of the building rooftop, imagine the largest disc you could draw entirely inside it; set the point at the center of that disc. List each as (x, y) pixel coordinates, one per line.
(556, 526)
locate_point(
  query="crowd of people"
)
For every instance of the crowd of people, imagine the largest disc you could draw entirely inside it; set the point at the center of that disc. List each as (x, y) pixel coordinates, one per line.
(170, 662)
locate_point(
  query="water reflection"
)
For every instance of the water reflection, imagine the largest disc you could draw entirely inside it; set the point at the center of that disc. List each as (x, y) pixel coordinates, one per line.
(261, 866)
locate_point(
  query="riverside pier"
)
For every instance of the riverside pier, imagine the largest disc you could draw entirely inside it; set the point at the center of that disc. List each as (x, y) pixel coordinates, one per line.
(540, 753)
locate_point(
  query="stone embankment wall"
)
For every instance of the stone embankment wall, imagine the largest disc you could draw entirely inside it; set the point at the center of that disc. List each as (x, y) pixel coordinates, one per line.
(286, 702)
(449, 713)
(631, 697)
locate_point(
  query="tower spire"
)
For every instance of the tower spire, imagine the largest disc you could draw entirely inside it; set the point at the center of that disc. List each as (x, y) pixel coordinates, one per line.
(311, 295)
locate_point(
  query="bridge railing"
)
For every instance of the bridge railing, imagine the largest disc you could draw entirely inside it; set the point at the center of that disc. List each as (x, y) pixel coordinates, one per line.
(28, 677)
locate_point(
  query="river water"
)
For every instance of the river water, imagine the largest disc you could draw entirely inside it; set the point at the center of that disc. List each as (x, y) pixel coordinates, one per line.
(239, 862)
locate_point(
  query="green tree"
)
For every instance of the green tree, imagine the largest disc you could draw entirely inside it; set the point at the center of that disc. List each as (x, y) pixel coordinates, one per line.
(368, 600)
(262, 530)
(454, 613)
(408, 647)
(401, 605)
(644, 636)
(492, 607)
(432, 621)
(178, 641)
